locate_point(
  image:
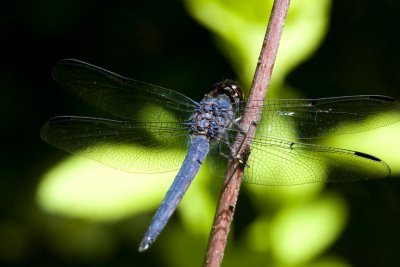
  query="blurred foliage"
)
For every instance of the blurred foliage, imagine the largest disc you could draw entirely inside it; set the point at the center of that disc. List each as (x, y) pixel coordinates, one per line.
(240, 28)
(66, 211)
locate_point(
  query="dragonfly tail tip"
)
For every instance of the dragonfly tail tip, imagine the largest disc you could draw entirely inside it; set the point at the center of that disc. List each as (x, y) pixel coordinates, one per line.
(145, 244)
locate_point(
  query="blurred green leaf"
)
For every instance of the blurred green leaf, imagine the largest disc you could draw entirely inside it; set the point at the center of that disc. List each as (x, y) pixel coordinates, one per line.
(328, 262)
(240, 26)
(301, 232)
(86, 189)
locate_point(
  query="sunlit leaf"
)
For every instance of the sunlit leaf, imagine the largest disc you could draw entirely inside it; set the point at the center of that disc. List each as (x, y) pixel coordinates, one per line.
(240, 26)
(300, 233)
(86, 189)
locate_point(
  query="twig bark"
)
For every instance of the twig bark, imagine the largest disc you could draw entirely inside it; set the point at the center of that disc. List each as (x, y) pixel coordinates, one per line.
(241, 147)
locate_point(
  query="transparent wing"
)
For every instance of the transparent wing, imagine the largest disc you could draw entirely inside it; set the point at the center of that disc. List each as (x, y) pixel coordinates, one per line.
(139, 147)
(313, 118)
(274, 161)
(218, 158)
(117, 95)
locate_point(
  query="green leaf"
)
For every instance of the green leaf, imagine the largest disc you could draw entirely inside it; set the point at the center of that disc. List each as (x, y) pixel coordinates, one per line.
(239, 27)
(300, 233)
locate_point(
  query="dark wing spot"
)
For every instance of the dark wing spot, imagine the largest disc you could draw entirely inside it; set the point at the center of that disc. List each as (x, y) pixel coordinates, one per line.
(367, 156)
(382, 97)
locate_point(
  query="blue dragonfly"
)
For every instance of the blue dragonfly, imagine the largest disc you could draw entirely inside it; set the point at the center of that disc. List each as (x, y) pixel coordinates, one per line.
(152, 121)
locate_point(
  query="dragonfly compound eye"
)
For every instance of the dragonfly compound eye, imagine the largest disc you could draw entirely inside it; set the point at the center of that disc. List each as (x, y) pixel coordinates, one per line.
(229, 88)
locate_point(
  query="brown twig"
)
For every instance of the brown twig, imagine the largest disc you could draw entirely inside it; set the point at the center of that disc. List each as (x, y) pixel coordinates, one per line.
(241, 147)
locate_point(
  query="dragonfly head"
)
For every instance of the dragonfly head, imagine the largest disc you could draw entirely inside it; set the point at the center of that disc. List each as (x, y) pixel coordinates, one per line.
(229, 88)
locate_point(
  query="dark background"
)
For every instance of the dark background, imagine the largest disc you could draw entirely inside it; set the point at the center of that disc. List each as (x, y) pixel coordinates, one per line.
(158, 42)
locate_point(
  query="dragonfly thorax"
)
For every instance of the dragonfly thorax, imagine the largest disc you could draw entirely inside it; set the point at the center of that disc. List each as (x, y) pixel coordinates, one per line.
(213, 116)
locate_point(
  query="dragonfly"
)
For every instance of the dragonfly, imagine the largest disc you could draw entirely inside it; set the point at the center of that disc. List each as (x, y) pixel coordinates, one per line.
(155, 130)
